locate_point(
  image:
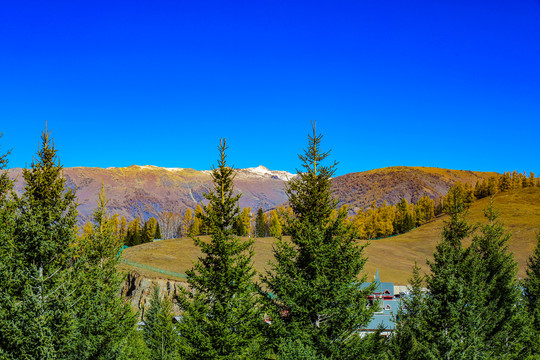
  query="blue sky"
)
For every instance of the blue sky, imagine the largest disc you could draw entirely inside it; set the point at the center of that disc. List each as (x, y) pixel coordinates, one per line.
(452, 84)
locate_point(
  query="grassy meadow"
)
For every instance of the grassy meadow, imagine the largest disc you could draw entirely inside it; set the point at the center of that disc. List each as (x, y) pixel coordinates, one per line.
(394, 256)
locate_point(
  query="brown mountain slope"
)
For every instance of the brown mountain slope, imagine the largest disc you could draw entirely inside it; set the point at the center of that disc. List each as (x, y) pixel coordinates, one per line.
(148, 190)
(519, 212)
(359, 190)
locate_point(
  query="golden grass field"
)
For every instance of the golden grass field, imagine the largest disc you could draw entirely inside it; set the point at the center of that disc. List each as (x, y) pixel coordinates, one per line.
(394, 256)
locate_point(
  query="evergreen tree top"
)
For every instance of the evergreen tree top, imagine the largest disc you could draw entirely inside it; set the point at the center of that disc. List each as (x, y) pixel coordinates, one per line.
(44, 179)
(5, 181)
(222, 205)
(226, 264)
(309, 193)
(49, 206)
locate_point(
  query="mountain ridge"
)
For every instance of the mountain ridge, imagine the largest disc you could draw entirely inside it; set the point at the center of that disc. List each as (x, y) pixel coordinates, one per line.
(147, 190)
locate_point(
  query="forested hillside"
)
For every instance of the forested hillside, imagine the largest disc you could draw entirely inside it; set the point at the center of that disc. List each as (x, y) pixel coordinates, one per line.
(359, 190)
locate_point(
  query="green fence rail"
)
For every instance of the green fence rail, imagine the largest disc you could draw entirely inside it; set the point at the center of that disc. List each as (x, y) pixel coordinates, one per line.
(153, 268)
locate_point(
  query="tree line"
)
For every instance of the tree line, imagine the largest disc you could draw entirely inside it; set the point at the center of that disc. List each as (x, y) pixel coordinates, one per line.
(387, 220)
(505, 182)
(59, 290)
(131, 233)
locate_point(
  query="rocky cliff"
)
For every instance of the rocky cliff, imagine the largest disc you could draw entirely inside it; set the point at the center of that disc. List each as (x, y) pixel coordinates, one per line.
(138, 290)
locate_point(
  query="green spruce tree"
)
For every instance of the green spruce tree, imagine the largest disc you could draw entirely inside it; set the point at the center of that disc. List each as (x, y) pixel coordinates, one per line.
(104, 320)
(314, 280)
(260, 226)
(297, 350)
(157, 234)
(532, 291)
(532, 283)
(9, 286)
(37, 303)
(504, 328)
(446, 326)
(221, 315)
(409, 340)
(472, 309)
(134, 347)
(6, 185)
(159, 333)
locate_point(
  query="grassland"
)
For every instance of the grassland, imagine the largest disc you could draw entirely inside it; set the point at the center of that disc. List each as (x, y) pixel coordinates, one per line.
(394, 257)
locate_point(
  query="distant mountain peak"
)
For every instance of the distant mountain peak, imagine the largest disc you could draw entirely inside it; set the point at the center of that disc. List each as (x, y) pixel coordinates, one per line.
(145, 167)
(262, 171)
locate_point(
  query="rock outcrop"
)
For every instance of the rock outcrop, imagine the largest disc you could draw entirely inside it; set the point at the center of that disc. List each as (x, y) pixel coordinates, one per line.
(138, 290)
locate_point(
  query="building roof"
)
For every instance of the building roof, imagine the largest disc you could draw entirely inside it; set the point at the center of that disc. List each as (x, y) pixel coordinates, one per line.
(382, 287)
(384, 321)
(388, 307)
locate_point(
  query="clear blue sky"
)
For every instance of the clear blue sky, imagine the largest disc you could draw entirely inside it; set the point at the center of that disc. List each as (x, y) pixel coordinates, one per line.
(453, 84)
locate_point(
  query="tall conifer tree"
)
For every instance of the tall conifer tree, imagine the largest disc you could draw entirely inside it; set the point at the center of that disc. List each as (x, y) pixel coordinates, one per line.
(6, 184)
(532, 289)
(504, 326)
(37, 298)
(221, 315)
(314, 280)
(157, 234)
(448, 321)
(104, 320)
(260, 226)
(408, 342)
(472, 309)
(532, 283)
(159, 333)
(9, 286)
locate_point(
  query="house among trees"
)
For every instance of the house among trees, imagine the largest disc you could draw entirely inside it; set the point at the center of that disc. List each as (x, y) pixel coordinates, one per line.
(387, 302)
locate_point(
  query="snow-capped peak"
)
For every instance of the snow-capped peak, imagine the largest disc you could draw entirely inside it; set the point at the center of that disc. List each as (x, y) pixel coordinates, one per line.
(264, 172)
(259, 170)
(153, 167)
(174, 169)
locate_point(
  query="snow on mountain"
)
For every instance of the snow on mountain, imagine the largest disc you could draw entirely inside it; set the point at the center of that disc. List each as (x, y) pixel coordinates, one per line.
(174, 169)
(261, 171)
(152, 167)
(255, 172)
